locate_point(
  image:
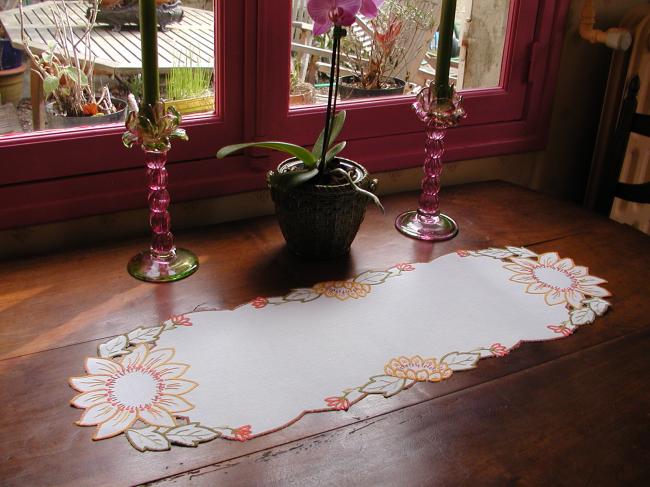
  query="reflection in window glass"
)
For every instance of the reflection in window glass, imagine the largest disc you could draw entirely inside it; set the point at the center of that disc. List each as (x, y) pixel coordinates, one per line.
(85, 61)
(395, 53)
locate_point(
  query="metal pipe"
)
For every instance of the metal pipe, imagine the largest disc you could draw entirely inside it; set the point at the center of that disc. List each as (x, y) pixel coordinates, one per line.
(615, 38)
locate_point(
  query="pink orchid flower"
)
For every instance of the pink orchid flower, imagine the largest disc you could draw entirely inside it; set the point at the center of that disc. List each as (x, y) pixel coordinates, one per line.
(370, 8)
(326, 13)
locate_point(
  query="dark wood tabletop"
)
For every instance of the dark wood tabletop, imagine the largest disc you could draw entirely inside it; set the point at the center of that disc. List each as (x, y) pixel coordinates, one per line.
(569, 412)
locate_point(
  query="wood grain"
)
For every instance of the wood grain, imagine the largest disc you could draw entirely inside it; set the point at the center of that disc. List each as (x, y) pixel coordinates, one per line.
(55, 314)
(86, 294)
(569, 422)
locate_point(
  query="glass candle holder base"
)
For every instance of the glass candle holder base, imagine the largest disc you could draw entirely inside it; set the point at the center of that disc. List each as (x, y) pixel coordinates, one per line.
(423, 227)
(180, 264)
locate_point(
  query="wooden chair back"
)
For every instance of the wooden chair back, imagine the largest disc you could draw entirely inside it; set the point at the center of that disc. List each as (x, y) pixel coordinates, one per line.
(629, 121)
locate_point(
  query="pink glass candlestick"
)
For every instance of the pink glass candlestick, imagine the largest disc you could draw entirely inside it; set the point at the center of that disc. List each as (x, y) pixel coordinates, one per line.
(427, 222)
(162, 262)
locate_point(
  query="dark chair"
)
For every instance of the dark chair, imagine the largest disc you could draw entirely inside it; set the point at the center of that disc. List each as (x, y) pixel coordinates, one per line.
(628, 121)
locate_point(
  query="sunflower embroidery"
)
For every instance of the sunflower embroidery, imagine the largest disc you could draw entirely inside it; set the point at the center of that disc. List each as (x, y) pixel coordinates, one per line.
(418, 369)
(144, 385)
(559, 280)
(342, 289)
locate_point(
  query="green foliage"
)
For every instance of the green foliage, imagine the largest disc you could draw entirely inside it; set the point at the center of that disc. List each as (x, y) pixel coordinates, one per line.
(337, 126)
(189, 80)
(295, 150)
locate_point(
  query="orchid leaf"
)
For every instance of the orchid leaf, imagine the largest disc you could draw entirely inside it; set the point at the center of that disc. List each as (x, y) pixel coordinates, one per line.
(360, 190)
(337, 126)
(295, 150)
(293, 178)
(334, 151)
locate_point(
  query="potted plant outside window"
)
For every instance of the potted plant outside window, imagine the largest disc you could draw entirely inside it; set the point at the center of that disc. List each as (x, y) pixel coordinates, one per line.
(189, 88)
(320, 198)
(12, 69)
(67, 76)
(398, 40)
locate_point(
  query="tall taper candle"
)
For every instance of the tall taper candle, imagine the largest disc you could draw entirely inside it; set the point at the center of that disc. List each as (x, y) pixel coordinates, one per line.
(149, 43)
(445, 45)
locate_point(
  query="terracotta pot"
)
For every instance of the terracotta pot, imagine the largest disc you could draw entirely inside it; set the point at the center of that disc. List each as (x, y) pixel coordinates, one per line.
(347, 89)
(11, 84)
(304, 94)
(321, 221)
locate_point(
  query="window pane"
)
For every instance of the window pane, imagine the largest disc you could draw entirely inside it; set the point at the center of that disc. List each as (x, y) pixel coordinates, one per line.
(395, 53)
(84, 70)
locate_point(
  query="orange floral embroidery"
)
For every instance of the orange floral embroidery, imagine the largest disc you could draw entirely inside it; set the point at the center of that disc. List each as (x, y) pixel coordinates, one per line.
(242, 433)
(342, 289)
(181, 320)
(259, 302)
(338, 402)
(405, 267)
(419, 369)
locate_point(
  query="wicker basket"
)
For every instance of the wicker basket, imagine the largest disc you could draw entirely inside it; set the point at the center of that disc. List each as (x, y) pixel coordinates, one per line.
(321, 221)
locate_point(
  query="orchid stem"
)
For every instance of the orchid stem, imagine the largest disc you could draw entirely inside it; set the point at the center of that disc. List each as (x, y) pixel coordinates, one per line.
(328, 113)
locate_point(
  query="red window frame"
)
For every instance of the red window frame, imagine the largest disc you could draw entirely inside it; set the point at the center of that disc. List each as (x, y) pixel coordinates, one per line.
(61, 175)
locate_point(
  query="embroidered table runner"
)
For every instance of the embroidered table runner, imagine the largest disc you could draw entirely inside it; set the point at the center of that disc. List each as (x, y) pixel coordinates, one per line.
(242, 373)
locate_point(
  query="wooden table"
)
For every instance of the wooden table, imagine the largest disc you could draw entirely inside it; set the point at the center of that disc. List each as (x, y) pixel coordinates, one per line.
(568, 412)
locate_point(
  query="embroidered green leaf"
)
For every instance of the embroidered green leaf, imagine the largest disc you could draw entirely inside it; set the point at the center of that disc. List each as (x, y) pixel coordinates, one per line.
(303, 295)
(495, 253)
(147, 439)
(191, 434)
(144, 335)
(597, 305)
(582, 316)
(461, 360)
(113, 347)
(386, 385)
(522, 252)
(372, 277)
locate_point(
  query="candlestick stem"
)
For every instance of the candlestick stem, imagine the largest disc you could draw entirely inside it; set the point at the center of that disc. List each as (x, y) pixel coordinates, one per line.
(427, 223)
(163, 262)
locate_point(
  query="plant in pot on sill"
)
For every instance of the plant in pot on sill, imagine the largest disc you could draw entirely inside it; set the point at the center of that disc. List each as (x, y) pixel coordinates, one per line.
(67, 70)
(300, 92)
(189, 87)
(384, 63)
(11, 71)
(320, 198)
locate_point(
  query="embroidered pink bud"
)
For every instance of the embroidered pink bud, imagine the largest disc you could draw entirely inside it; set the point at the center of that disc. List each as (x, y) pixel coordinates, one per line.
(499, 350)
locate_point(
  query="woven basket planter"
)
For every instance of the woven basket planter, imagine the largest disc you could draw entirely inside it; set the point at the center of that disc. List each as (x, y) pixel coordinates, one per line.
(321, 221)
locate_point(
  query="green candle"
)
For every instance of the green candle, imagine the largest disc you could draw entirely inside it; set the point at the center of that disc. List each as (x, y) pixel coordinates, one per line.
(445, 45)
(149, 43)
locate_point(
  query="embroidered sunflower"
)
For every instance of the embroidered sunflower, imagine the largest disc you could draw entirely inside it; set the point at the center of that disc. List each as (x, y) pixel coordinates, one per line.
(342, 289)
(417, 368)
(145, 385)
(560, 280)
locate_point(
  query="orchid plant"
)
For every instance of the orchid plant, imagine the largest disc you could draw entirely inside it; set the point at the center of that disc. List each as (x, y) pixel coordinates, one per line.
(320, 164)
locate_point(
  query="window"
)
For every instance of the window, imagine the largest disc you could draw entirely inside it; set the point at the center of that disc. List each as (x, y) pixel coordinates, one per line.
(57, 174)
(395, 53)
(384, 134)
